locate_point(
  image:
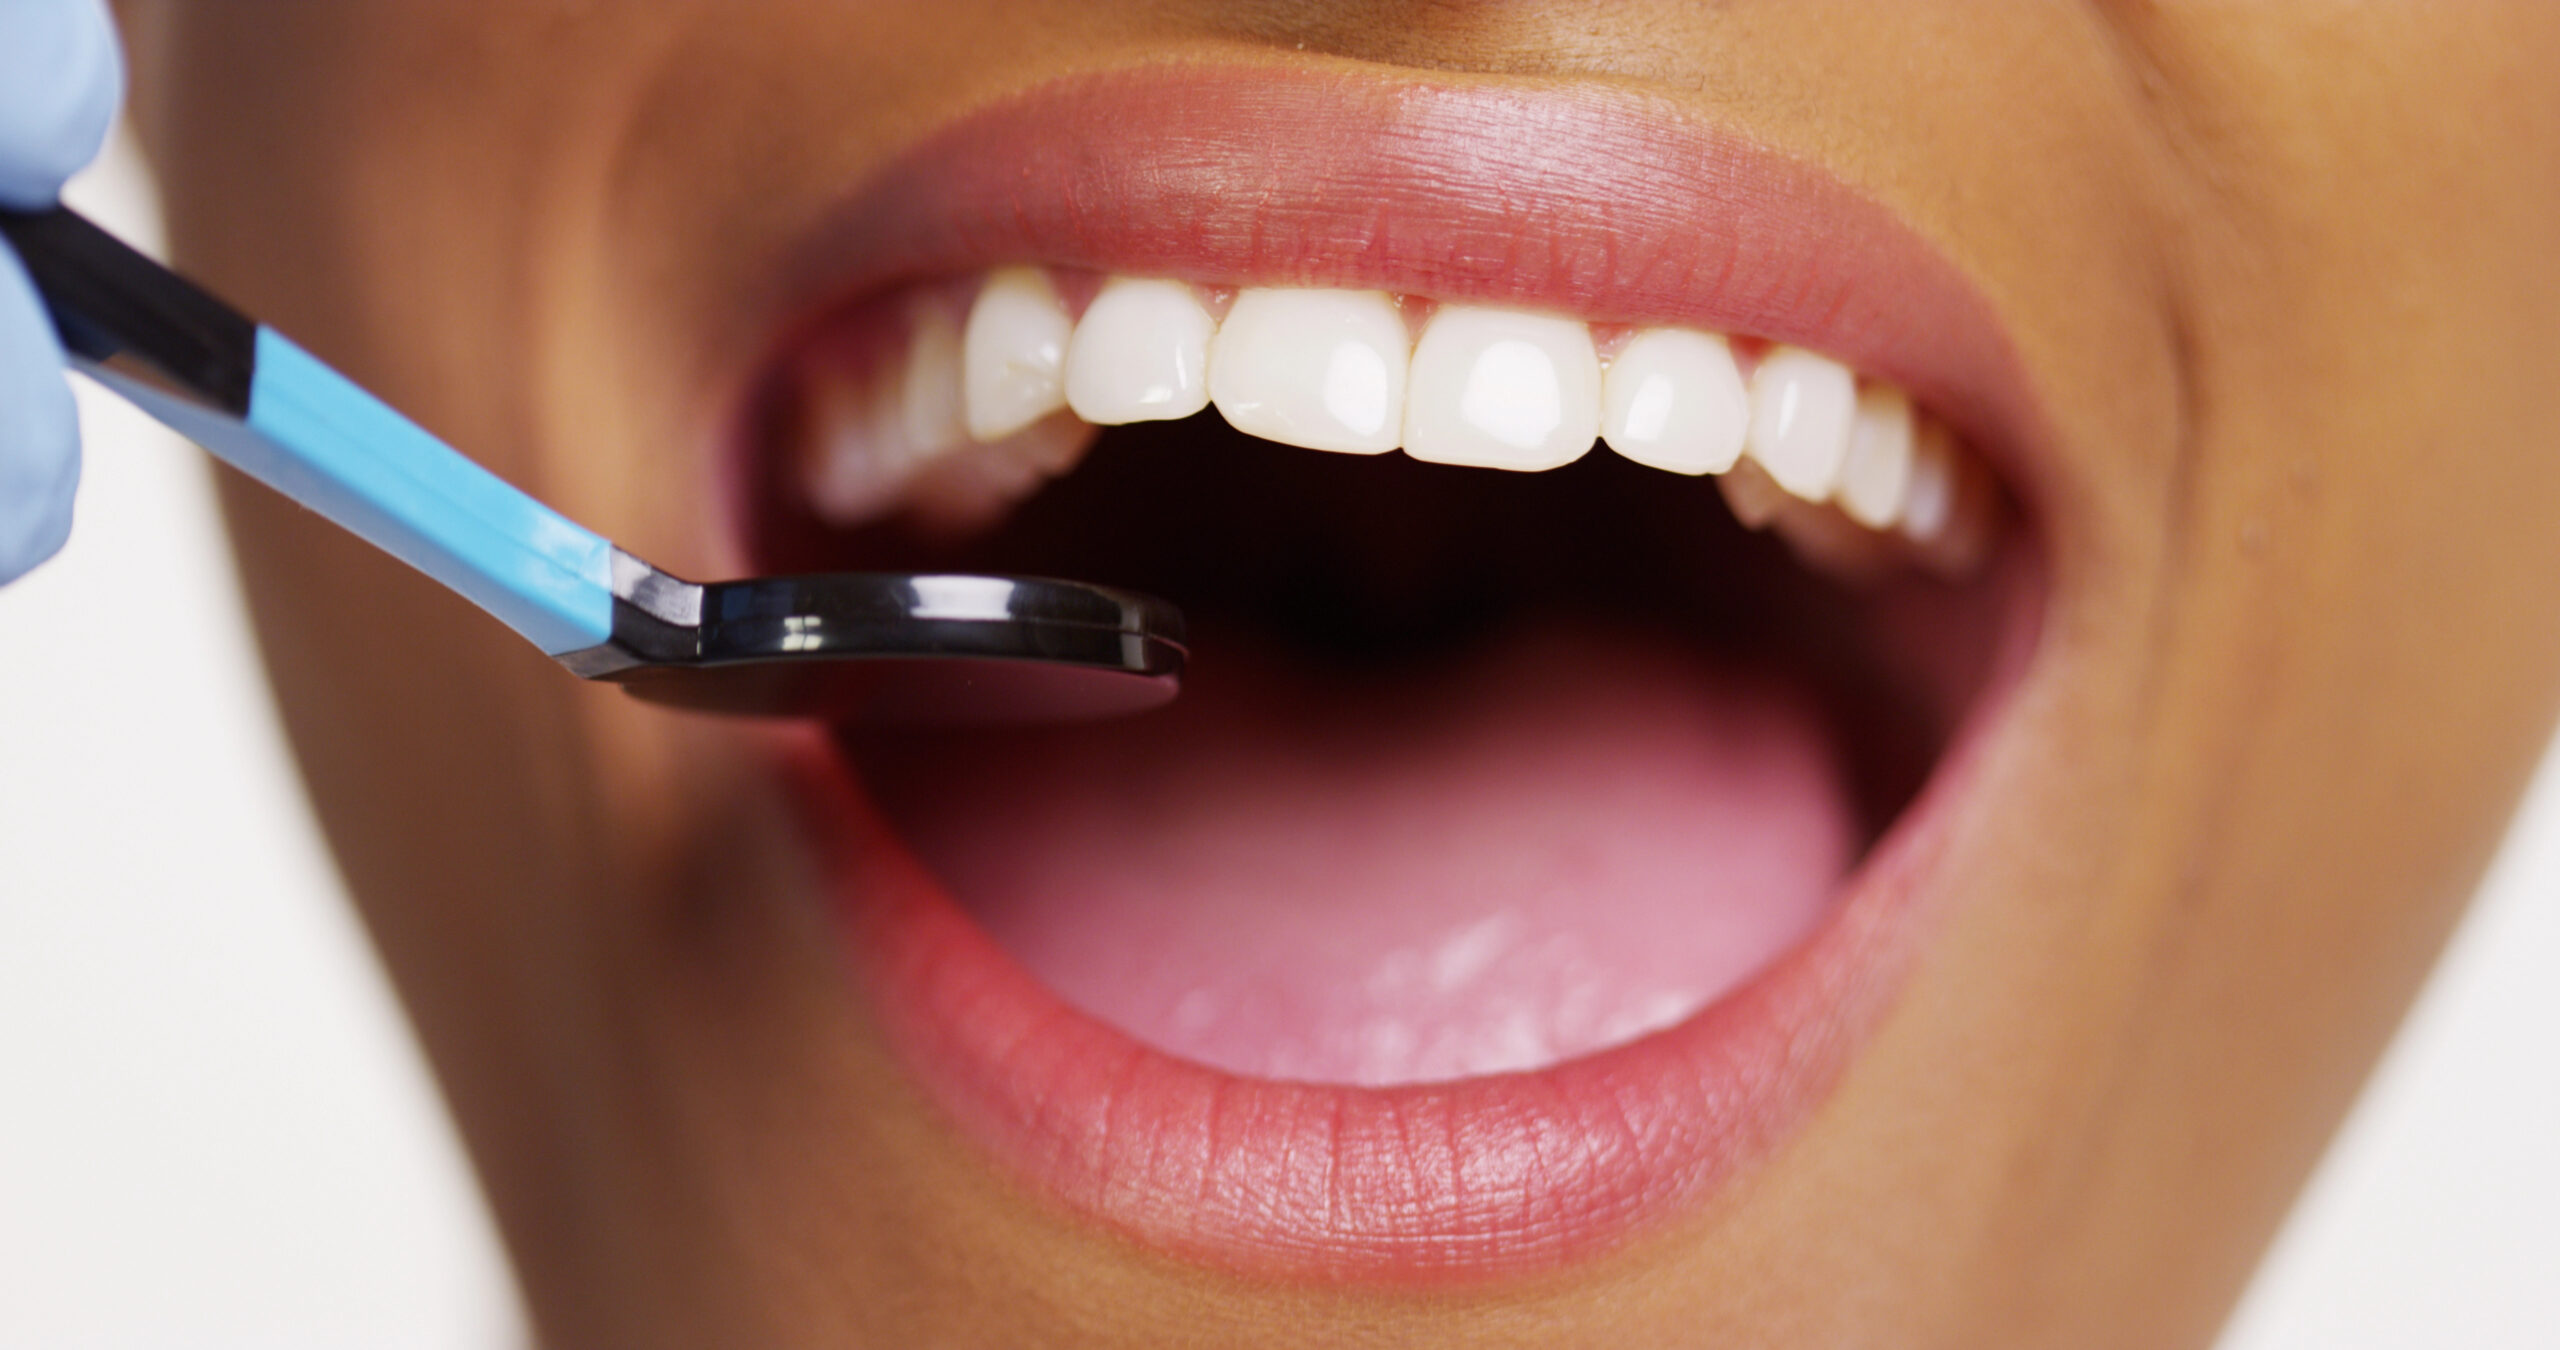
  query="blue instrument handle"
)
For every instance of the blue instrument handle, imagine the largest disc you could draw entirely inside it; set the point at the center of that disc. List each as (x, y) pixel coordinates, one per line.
(273, 411)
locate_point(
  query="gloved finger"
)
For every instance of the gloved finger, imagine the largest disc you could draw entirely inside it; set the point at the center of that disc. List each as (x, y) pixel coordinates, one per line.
(39, 430)
(61, 77)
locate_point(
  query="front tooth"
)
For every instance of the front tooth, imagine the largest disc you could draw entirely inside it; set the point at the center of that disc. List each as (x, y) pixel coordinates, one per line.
(1502, 389)
(1015, 353)
(1320, 369)
(1673, 399)
(1801, 405)
(1140, 354)
(1878, 469)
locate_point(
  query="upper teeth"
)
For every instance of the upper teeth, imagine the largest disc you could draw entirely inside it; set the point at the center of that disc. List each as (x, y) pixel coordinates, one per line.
(1140, 354)
(1323, 369)
(1015, 353)
(1675, 400)
(1351, 371)
(1801, 409)
(1502, 389)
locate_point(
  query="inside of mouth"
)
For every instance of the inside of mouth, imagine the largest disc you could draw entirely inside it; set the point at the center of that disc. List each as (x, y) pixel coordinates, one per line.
(1473, 772)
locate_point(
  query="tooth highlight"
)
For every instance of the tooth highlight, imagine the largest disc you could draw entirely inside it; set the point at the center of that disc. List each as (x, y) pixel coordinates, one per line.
(1801, 405)
(1878, 469)
(1320, 369)
(1014, 354)
(1140, 354)
(1673, 399)
(1502, 389)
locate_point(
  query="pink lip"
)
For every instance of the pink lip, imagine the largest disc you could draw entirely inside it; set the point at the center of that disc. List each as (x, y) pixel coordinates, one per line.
(1596, 202)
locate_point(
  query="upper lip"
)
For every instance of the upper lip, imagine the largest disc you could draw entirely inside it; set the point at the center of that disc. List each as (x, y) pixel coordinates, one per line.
(1603, 203)
(1607, 204)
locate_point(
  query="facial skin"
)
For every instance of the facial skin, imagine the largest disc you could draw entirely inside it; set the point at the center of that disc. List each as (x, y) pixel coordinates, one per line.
(2279, 277)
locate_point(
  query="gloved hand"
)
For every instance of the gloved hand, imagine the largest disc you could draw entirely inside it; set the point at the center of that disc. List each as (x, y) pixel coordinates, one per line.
(61, 77)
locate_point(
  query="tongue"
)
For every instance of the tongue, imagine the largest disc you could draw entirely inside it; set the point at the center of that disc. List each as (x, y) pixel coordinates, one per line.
(1556, 845)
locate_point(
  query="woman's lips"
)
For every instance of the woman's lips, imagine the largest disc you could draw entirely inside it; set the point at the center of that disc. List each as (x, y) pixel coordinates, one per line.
(1598, 203)
(1603, 204)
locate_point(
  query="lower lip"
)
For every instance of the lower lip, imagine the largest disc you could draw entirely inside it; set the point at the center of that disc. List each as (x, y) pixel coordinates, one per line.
(1417, 1185)
(1427, 1184)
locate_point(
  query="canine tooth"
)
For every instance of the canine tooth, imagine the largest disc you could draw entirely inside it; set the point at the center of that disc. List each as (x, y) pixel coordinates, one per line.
(1828, 541)
(1953, 508)
(934, 407)
(1878, 469)
(972, 488)
(1801, 404)
(850, 469)
(1674, 400)
(1753, 496)
(869, 433)
(1140, 354)
(1928, 500)
(1322, 369)
(1502, 389)
(1014, 353)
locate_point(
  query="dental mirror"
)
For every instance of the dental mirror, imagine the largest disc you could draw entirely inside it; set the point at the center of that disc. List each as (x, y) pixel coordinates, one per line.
(876, 647)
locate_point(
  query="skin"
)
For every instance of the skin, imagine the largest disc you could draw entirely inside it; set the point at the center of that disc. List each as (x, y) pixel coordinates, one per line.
(2280, 274)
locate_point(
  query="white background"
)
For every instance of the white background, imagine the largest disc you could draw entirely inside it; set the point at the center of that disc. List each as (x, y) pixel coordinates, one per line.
(214, 1131)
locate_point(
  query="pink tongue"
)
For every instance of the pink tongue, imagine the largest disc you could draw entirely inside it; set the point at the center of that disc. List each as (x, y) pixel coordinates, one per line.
(1532, 854)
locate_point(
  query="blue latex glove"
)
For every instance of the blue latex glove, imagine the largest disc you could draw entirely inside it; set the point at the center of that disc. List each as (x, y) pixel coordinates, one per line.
(61, 77)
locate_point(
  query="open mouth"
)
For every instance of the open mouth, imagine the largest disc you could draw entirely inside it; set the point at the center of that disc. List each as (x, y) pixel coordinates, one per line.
(1479, 769)
(1576, 652)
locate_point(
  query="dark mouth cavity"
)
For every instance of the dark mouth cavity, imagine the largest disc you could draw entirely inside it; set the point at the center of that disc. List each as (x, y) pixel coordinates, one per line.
(1359, 566)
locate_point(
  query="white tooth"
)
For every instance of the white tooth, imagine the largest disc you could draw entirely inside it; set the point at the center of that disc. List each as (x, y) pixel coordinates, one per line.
(854, 459)
(1801, 405)
(1878, 470)
(1824, 539)
(1320, 369)
(973, 488)
(1502, 389)
(1140, 354)
(870, 432)
(933, 407)
(1929, 499)
(1952, 515)
(1015, 353)
(1674, 400)
(1755, 500)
